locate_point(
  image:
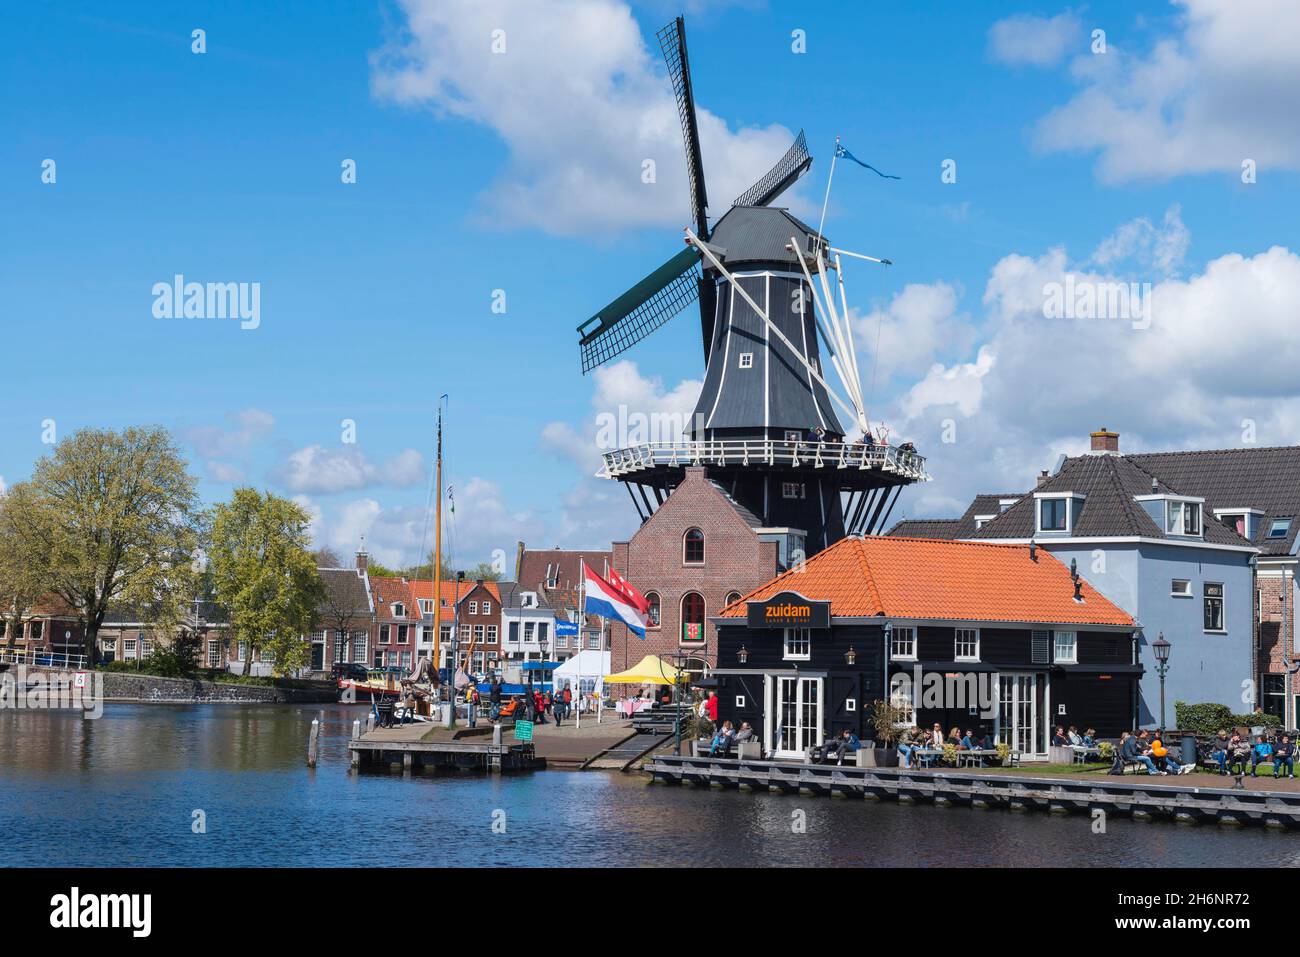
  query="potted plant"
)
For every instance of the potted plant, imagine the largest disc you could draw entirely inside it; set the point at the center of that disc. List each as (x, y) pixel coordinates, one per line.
(888, 722)
(1004, 753)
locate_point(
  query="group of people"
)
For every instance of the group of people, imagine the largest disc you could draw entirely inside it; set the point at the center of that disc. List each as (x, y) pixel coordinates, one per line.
(1237, 751)
(918, 739)
(727, 737)
(1150, 751)
(533, 705)
(1071, 738)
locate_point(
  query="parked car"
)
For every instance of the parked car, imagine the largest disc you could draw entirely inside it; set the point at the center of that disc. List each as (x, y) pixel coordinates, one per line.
(354, 670)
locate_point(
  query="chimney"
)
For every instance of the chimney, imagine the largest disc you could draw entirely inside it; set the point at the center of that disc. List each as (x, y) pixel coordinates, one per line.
(363, 559)
(1078, 590)
(1033, 550)
(1103, 440)
(1043, 478)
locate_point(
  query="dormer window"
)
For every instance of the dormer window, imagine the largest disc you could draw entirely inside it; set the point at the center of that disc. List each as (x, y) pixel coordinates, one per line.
(1182, 517)
(399, 610)
(982, 520)
(1279, 528)
(1052, 515)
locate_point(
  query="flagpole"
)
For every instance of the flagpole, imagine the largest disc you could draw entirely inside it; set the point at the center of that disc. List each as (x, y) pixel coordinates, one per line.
(827, 198)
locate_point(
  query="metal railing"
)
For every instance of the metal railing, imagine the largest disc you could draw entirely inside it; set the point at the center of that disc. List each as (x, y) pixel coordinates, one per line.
(840, 455)
(39, 658)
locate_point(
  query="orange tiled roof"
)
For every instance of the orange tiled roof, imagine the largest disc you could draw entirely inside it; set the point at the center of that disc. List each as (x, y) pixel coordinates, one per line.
(938, 579)
(390, 590)
(423, 588)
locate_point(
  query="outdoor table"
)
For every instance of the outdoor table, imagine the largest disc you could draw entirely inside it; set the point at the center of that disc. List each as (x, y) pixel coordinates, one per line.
(926, 756)
(630, 706)
(975, 757)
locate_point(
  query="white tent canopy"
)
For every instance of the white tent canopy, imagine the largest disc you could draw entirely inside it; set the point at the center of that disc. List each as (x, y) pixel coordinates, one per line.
(585, 665)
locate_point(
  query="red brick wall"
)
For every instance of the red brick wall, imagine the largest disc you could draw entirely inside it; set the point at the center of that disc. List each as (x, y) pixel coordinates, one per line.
(735, 560)
(1269, 630)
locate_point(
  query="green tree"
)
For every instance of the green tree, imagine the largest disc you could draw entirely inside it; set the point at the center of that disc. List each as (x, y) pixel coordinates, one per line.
(22, 582)
(113, 518)
(264, 574)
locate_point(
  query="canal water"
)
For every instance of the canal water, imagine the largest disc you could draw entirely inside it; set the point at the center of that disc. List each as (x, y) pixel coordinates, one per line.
(124, 790)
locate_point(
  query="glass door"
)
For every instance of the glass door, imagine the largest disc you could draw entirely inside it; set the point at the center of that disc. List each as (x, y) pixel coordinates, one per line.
(1022, 712)
(799, 715)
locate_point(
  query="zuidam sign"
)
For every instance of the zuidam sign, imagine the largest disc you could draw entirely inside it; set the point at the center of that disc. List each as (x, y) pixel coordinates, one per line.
(789, 610)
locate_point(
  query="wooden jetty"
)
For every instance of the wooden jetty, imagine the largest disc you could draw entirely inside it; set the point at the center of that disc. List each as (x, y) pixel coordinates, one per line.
(416, 748)
(1016, 792)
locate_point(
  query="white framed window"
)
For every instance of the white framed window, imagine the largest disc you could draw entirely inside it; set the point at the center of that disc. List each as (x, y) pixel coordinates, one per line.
(902, 695)
(401, 634)
(214, 653)
(747, 360)
(1214, 620)
(1180, 588)
(1279, 527)
(1053, 514)
(491, 634)
(406, 660)
(487, 607)
(241, 651)
(399, 610)
(902, 644)
(793, 435)
(792, 490)
(146, 647)
(561, 641)
(478, 633)
(426, 606)
(1182, 518)
(128, 649)
(473, 608)
(464, 632)
(740, 701)
(850, 704)
(966, 644)
(359, 642)
(798, 644)
(1066, 648)
(593, 642)
(528, 630)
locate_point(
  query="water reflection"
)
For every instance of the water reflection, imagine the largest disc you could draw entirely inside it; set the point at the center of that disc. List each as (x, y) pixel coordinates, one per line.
(122, 791)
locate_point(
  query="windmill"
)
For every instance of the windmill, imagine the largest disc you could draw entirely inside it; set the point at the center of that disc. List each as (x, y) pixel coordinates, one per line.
(765, 425)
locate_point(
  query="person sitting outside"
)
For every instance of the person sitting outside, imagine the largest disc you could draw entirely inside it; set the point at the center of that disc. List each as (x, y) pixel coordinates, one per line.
(1261, 753)
(954, 738)
(1238, 752)
(1059, 740)
(936, 737)
(1284, 753)
(908, 742)
(1073, 737)
(746, 733)
(1219, 752)
(722, 739)
(846, 743)
(1090, 739)
(1133, 751)
(1161, 754)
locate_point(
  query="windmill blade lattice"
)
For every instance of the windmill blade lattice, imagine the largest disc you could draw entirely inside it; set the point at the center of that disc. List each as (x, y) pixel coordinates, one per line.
(641, 310)
(672, 40)
(780, 177)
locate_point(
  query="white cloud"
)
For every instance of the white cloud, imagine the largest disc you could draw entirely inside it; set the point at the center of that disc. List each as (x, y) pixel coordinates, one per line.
(920, 324)
(1225, 89)
(1028, 40)
(581, 100)
(2, 485)
(1220, 353)
(316, 469)
(1160, 248)
(217, 445)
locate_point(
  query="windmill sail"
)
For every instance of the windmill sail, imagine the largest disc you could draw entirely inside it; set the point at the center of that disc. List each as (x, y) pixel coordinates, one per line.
(641, 310)
(672, 40)
(780, 177)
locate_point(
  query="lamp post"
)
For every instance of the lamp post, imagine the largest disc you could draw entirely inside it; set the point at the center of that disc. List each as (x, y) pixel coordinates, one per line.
(1161, 649)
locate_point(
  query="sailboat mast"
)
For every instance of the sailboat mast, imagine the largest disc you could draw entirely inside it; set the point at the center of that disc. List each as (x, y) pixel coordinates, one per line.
(437, 556)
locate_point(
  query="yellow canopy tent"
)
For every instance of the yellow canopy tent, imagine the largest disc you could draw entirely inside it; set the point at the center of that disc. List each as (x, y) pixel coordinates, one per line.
(649, 670)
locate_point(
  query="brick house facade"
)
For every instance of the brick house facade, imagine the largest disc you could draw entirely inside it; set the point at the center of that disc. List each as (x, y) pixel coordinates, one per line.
(699, 551)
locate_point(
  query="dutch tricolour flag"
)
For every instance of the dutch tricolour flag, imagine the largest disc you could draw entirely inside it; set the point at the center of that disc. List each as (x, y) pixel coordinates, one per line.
(618, 600)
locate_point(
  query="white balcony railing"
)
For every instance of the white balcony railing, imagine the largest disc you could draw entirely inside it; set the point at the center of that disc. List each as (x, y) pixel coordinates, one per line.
(835, 455)
(36, 657)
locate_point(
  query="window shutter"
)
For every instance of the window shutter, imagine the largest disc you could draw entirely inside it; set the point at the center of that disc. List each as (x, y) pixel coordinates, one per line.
(1040, 648)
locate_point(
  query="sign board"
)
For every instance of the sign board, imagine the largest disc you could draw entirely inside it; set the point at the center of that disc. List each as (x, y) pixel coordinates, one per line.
(789, 610)
(80, 680)
(692, 631)
(565, 628)
(523, 731)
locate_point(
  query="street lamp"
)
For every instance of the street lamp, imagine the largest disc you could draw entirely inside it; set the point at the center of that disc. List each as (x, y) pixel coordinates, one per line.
(742, 655)
(1161, 649)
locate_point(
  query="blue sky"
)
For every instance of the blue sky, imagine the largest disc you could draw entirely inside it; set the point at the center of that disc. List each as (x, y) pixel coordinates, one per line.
(520, 171)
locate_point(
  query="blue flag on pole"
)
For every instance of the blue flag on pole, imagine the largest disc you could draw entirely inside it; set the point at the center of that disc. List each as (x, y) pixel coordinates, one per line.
(841, 151)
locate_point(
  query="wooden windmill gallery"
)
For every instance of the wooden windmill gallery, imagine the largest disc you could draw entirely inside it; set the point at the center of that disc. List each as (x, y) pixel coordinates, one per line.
(772, 301)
